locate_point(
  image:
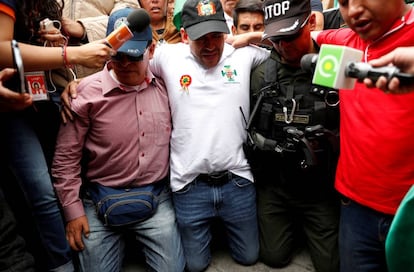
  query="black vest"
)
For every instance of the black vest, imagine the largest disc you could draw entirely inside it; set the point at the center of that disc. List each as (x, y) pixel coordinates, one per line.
(299, 123)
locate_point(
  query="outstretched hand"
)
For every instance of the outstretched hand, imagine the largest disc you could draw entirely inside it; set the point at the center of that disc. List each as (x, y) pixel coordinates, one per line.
(93, 55)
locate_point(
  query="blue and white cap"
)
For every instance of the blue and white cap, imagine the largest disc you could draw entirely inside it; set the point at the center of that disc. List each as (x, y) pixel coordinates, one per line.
(138, 43)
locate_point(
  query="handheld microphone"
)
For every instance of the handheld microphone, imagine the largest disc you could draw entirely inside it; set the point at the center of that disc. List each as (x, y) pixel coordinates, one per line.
(329, 66)
(136, 21)
(348, 68)
(361, 70)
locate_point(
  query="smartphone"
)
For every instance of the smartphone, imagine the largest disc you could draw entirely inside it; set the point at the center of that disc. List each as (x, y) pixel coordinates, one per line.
(18, 80)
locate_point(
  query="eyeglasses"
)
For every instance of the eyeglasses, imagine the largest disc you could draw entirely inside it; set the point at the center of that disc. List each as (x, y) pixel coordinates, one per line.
(119, 57)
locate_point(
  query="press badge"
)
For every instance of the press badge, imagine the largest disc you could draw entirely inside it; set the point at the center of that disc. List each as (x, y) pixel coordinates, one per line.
(36, 83)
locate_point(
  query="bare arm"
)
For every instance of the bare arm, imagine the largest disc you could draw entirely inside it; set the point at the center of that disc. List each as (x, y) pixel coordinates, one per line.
(245, 39)
(45, 58)
(36, 58)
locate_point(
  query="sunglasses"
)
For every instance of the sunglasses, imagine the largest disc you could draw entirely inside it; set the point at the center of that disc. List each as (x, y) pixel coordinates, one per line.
(119, 57)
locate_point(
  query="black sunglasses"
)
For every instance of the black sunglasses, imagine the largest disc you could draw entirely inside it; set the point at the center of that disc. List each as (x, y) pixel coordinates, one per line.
(119, 57)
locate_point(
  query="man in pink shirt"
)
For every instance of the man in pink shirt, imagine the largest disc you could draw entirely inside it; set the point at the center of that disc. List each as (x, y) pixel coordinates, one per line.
(121, 129)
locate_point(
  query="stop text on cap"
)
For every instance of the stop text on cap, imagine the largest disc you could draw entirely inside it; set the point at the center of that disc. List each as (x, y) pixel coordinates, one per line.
(276, 9)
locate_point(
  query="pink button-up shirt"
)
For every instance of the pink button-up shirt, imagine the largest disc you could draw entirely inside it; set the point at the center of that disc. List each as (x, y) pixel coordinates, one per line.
(122, 132)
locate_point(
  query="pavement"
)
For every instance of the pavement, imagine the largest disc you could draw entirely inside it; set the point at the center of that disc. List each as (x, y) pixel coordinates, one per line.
(222, 262)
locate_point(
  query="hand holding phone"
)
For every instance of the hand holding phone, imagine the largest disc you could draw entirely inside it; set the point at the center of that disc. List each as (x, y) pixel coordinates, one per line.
(17, 82)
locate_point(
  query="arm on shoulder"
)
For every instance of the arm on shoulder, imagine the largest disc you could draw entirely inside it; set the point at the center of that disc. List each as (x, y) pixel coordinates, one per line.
(244, 39)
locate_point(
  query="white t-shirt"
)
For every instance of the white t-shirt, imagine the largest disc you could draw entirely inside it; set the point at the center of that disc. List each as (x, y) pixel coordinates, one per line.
(229, 22)
(206, 109)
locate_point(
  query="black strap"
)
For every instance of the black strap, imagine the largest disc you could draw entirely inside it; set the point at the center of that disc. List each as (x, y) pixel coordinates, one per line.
(270, 75)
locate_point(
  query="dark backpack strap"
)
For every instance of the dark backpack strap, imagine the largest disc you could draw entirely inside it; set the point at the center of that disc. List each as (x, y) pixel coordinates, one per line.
(270, 76)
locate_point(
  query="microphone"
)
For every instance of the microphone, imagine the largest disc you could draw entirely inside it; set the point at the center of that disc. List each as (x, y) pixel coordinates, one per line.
(361, 70)
(330, 65)
(136, 21)
(331, 69)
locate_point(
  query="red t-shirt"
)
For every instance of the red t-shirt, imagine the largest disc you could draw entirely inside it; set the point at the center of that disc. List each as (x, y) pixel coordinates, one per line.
(376, 164)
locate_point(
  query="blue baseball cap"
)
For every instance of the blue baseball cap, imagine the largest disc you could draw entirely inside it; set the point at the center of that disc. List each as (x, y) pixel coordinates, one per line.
(138, 43)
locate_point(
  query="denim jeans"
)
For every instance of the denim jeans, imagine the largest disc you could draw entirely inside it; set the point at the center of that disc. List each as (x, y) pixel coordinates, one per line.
(104, 248)
(13, 254)
(234, 203)
(362, 234)
(24, 155)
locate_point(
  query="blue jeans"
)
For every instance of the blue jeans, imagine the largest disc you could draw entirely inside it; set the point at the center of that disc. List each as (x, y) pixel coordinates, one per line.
(13, 254)
(25, 157)
(362, 233)
(104, 248)
(234, 203)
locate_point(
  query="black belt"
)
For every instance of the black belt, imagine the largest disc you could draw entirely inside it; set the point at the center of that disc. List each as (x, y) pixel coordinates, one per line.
(216, 178)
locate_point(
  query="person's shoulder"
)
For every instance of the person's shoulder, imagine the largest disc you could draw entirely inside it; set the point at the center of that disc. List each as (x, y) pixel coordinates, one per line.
(257, 78)
(159, 84)
(90, 80)
(272, 60)
(335, 36)
(9, 7)
(89, 91)
(259, 48)
(171, 50)
(172, 46)
(252, 54)
(251, 49)
(90, 87)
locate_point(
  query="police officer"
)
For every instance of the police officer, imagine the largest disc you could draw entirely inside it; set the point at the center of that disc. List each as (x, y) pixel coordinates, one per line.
(293, 144)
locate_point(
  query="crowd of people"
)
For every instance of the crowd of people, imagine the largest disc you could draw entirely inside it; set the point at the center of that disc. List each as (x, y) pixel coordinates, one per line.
(212, 116)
